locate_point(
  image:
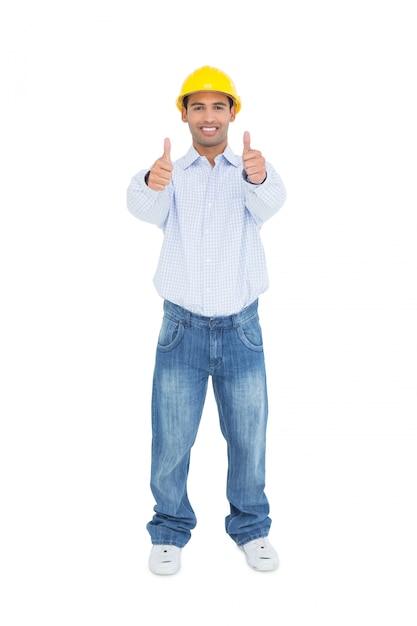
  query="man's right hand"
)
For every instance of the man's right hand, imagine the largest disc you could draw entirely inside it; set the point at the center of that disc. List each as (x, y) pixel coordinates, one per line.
(161, 171)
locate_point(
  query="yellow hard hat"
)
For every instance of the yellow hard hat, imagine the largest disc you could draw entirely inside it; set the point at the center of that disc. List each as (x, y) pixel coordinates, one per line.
(209, 79)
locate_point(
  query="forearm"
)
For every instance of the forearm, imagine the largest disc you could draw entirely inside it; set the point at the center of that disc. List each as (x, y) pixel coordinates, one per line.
(146, 204)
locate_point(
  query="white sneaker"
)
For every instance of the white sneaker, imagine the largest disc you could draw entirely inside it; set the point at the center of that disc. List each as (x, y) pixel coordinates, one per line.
(165, 559)
(260, 555)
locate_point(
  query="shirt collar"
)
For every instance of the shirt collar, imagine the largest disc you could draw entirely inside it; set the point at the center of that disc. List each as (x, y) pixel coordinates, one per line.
(192, 156)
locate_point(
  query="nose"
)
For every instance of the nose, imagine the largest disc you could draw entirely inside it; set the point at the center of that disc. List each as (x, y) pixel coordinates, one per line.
(209, 115)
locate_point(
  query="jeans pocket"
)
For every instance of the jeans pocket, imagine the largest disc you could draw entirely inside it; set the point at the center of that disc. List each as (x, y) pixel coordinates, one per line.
(250, 334)
(170, 334)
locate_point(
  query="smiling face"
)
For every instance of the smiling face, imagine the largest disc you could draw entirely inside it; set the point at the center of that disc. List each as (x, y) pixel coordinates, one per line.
(208, 115)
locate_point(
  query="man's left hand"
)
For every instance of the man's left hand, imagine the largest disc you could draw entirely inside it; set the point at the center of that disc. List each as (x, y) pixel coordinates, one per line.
(253, 162)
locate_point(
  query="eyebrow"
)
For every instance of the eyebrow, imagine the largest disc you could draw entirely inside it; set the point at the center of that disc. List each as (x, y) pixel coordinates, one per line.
(194, 104)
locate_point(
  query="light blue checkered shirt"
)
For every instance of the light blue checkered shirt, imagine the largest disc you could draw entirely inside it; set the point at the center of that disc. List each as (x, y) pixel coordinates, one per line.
(212, 261)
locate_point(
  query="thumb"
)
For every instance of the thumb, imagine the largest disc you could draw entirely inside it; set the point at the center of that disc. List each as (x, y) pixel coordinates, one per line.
(167, 149)
(246, 141)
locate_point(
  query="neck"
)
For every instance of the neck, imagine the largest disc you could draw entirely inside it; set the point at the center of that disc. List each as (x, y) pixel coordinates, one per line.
(210, 152)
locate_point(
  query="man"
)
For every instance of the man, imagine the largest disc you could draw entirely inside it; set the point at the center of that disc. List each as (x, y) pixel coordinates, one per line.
(210, 205)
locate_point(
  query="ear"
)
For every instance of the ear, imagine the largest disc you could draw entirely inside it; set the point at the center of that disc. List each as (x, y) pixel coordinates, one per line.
(184, 114)
(233, 113)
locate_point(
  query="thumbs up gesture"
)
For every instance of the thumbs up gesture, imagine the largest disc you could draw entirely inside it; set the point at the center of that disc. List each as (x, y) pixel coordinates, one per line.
(161, 171)
(253, 162)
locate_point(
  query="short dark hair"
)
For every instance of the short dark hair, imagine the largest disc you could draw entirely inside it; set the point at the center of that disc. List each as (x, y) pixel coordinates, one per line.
(185, 101)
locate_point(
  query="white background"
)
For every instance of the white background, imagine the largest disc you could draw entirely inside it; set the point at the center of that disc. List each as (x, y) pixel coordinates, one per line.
(88, 93)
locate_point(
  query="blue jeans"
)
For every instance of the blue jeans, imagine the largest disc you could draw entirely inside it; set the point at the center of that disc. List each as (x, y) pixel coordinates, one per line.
(190, 349)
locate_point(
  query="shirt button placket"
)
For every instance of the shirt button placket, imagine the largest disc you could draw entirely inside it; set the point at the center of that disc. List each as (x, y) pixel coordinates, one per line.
(207, 244)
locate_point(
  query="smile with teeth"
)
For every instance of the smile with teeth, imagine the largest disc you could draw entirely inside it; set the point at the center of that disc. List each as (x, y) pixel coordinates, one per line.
(208, 130)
